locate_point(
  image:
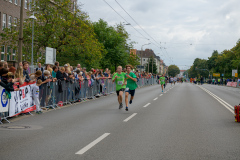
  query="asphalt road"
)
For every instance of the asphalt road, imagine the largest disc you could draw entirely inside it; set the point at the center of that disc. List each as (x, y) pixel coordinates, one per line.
(185, 123)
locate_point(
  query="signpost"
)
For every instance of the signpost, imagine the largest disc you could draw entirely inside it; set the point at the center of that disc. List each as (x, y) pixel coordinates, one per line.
(216, 74)
(50, 57)
(233, 72)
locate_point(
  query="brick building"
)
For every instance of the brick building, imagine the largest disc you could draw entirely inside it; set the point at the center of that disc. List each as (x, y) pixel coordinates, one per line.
(9, 16)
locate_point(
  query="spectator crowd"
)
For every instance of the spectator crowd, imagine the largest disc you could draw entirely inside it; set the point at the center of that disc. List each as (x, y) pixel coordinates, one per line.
(12, 78)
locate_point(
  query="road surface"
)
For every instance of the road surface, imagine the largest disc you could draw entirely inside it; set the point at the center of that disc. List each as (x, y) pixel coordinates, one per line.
(185, 122)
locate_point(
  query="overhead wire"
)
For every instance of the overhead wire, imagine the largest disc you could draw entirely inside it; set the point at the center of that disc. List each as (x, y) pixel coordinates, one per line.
(124, 19)
(137, 23)
(137, 30)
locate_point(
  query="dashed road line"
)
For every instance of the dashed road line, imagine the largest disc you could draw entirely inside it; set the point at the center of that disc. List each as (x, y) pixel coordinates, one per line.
(160, 95)
(130, 117)
(146, 105)
(92, 144)
(155, 98)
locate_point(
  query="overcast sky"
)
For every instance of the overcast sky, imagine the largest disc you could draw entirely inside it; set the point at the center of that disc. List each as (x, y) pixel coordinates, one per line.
(186, 29)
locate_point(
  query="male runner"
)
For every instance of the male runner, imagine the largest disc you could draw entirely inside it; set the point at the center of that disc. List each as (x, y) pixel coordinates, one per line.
(119, 79)
(131, 80)
(166, 81)
(162, 81)
(171, 79)
(175, 80)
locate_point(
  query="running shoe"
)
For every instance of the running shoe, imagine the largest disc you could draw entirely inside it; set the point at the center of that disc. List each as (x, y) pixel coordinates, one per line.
(130, 102)
(126, 109)
(121, 106)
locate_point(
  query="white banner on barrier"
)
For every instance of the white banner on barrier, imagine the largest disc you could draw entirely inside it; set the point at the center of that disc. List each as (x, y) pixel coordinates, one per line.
(21, 101)
(4, 100)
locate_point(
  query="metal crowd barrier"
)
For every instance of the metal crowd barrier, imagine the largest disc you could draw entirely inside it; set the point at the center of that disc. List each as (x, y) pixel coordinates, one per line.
(55, 94)
(75, 91)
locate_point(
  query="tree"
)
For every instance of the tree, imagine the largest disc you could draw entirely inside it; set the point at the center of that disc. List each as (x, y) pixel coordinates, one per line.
(173, 70)
(70, 33)
(151, 61)
(115, 44)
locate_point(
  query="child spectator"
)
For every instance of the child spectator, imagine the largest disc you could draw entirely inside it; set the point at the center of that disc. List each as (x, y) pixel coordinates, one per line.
(35, 95)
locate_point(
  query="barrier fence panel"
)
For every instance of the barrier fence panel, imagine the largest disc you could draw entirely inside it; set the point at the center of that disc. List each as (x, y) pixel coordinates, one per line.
(59, 93)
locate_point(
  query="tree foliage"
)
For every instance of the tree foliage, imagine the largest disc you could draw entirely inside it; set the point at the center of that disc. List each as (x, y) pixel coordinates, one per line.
(222, 63)
(173, 70)
(115, 44)
(74, 36)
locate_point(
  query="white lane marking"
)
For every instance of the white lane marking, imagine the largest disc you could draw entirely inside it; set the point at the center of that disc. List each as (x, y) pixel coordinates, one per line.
(216, 97)
(85, 149)
(146, 105)
(225, 104)
(165, 92)
(160, 94)
(130, 117)
(155, 98)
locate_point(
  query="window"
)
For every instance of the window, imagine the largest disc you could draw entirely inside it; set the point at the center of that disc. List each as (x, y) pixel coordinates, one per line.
(10, 1)
(15, 21)
(143, 59)
(8, 53)
(4, 23)
(2, 53)
(16, 2)
(9, 22)
(30, 4)
(25, 5)
(13, 54)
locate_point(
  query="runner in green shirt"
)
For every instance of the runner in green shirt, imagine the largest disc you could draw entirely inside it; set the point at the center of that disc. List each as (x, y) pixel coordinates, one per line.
(119, 79)
(130, 79)
(162, 81)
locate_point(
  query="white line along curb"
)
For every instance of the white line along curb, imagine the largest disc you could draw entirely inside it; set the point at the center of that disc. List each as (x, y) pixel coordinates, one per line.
(225, 104)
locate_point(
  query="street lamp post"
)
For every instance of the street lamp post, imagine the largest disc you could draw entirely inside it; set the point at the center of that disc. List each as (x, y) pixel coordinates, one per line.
(142, 53)
(33, 18)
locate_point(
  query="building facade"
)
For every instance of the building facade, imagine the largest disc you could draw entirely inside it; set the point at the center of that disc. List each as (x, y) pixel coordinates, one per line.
(9, 16)
(145, 57)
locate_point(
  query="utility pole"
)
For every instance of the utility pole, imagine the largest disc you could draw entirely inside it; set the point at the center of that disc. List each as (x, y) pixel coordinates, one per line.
(142, 53)
(148, 64)
(20, 41)
(152, 64)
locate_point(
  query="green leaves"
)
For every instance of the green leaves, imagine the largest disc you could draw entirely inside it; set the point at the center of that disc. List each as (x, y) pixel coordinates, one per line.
(115, 44)
(222, 63)
(173, 70)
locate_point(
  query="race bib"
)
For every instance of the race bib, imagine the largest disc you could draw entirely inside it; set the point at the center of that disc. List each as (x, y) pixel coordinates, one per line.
(127, 89)
(120, 82)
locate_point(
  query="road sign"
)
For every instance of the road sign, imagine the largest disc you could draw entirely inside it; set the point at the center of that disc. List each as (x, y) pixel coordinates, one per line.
(236, 74)
(233, 72)
(216, 74)
(50, 57)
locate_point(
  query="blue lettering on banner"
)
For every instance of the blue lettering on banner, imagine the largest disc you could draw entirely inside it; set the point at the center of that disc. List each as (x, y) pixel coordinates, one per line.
(4, 99)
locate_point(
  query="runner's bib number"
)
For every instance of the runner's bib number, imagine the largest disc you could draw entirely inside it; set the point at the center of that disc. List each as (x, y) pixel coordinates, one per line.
(127, 89)
(120, 82)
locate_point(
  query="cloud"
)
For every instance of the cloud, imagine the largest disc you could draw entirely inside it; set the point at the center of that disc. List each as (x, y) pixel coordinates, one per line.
(207, 25)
